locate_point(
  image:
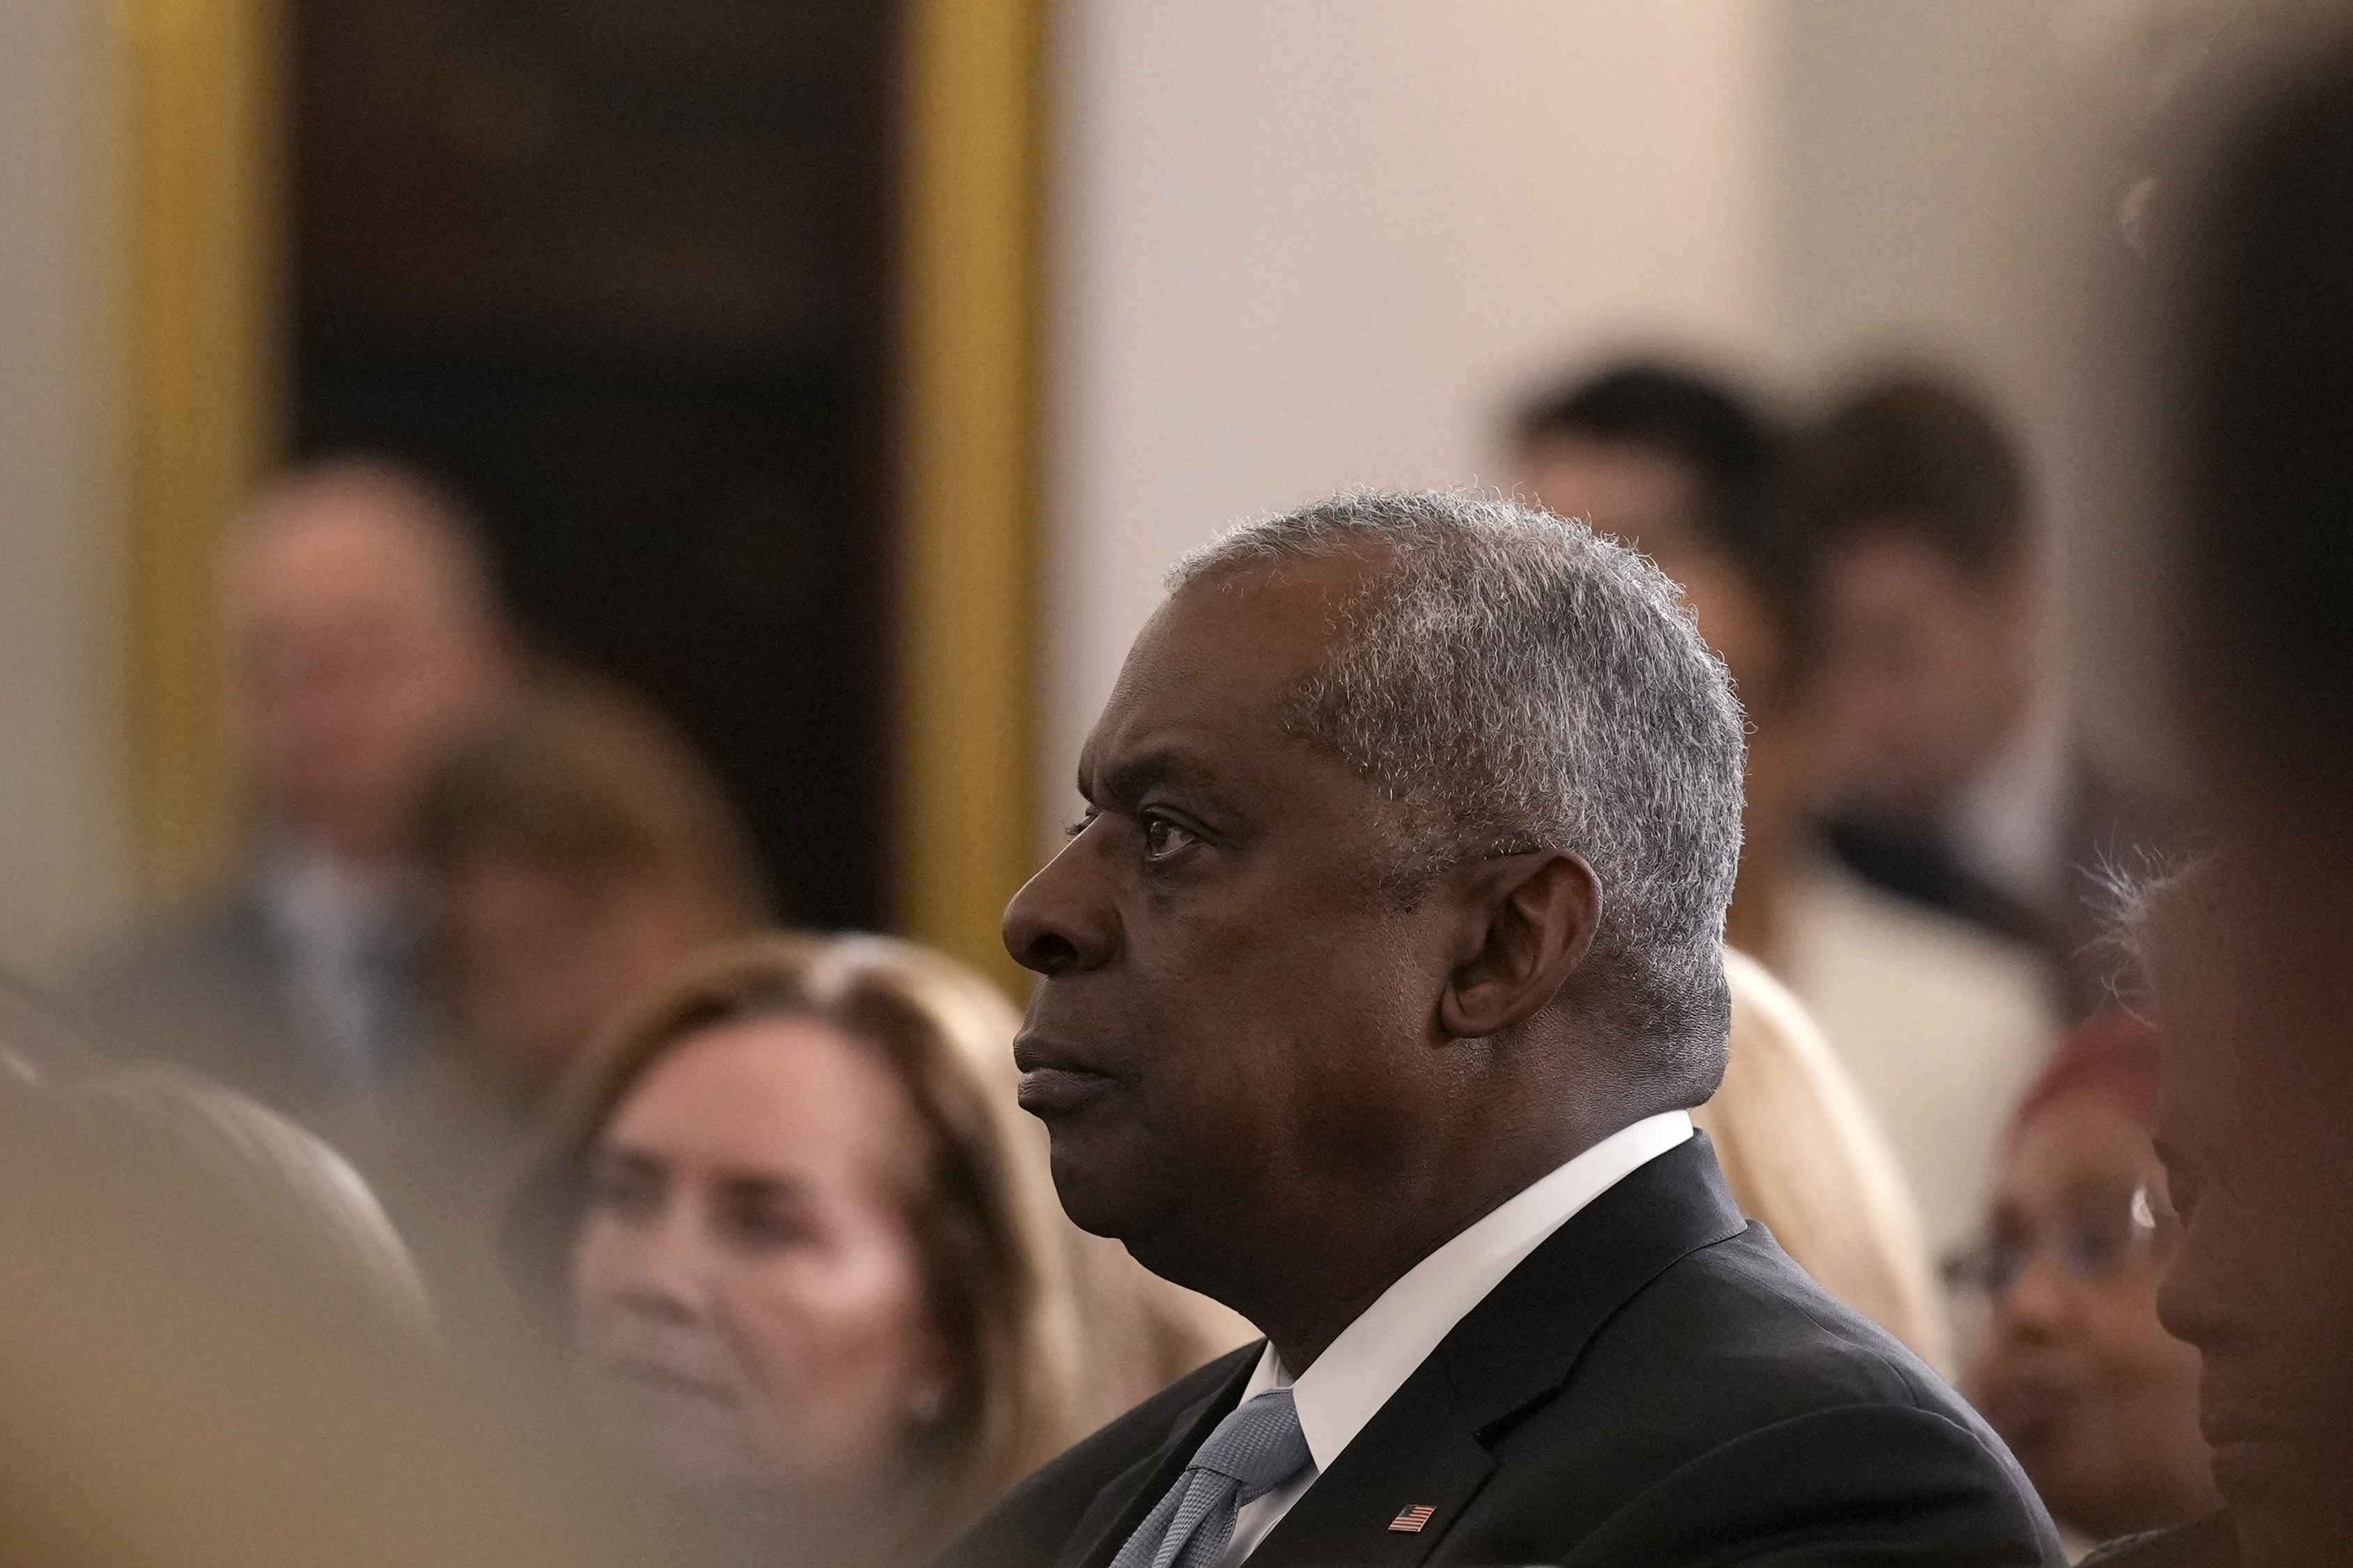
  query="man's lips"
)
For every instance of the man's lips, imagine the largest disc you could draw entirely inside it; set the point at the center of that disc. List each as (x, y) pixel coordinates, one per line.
(1056, 1081)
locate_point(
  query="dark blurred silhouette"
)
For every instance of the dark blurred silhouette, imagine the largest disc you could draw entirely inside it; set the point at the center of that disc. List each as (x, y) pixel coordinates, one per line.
(819, 1290)
(1953, 774)
(1941, 1022)
(215, 1353)
(2252, 242)
(366, 633)
(2067, 1360)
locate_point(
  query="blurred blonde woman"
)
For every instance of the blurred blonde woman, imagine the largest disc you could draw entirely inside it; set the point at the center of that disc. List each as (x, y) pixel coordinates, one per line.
(811, 1254)
(1802, 1153)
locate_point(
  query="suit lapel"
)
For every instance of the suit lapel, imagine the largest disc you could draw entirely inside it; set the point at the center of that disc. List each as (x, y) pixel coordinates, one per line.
(1429, 1445)
(1417, 1453)
(1519, 1345)
(1121, 1506)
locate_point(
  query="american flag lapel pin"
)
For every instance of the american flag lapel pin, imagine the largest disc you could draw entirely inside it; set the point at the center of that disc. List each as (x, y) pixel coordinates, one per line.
(1409, 1520)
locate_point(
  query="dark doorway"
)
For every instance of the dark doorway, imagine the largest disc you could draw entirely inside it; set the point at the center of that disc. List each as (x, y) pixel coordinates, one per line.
(620, 271)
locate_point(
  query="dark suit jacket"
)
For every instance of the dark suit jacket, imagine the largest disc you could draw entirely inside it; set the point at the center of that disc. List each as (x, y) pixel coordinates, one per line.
(2106, 833)
(1656, 1385)
(203, 987)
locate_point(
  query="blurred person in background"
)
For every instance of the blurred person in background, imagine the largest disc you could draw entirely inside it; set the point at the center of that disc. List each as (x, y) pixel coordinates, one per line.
(569, 855)
(815, 1276)
(2249, 241)
(365, 635)
(1940, 1024)
(1803, 1155)
(571, 852)
(2067, 1357)
(1953, 775)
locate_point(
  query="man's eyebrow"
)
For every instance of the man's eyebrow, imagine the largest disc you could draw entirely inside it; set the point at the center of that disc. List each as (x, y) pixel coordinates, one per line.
(1127, 780)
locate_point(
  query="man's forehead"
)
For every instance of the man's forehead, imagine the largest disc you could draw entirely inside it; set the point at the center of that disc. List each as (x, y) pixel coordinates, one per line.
(1210, 676)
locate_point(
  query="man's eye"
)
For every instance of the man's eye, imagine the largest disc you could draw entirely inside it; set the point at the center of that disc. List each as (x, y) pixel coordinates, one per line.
(1162, 839)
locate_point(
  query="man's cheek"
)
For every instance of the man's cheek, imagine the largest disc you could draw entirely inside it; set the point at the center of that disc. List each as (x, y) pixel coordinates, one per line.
(1348, 1127)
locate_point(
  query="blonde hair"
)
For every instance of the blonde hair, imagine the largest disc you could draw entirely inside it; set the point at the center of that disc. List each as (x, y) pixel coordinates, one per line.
(1803, 1154)
(996, 1253)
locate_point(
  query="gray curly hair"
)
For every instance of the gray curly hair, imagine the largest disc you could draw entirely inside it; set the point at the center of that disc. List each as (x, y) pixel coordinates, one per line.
(1512, 682)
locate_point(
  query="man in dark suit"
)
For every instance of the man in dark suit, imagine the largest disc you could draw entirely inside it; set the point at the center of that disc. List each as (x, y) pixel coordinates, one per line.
(366, 633)
(1378, 976)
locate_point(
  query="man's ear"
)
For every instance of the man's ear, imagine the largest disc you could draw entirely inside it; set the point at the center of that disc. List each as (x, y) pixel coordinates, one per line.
(1528, 922)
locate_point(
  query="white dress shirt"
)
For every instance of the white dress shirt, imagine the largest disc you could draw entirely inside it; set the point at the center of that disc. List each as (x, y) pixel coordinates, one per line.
(2008, 825)
(339, 928)
(1370, 1361)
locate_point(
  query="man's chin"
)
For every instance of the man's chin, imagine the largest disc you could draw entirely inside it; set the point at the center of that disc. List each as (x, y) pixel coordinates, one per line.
(2289, 1498)
(1109, 1188)
(1098, 1201)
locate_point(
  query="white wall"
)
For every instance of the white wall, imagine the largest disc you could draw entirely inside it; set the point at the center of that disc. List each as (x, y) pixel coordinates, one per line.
(1948, 169)
(1308, 243)
(62, 851)
(1921, 148)
(1304, 242)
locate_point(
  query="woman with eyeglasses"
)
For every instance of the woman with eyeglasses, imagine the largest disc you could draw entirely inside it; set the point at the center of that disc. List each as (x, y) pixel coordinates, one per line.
(2058, 1304)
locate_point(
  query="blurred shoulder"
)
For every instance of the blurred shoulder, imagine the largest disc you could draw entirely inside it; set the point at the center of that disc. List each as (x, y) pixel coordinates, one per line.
(220, 928)
(200, 984)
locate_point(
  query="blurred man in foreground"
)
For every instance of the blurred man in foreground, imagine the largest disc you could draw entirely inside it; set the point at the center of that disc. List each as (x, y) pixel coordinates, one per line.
(1955, 774)
(365, 635)
(1378, 979)
(2254, 238)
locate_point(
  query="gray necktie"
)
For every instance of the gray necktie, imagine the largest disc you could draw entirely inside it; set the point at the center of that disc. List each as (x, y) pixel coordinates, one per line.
(1254, 1451)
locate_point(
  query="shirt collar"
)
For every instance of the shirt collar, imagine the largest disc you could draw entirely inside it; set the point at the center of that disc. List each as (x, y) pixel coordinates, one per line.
(2007, 823)
(1370, 1361)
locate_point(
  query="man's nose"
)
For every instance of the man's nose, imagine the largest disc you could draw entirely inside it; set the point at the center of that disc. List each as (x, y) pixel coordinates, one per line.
(2197, 1281)
(1063, 922)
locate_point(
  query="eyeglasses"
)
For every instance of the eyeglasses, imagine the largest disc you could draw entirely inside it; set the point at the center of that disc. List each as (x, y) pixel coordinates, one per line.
(2096, 1236)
